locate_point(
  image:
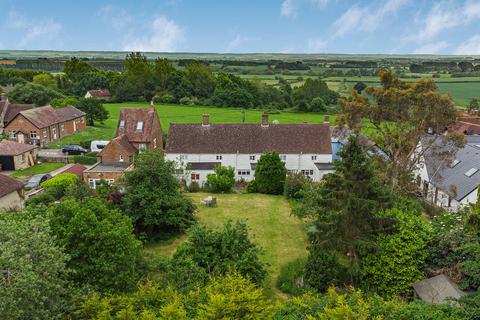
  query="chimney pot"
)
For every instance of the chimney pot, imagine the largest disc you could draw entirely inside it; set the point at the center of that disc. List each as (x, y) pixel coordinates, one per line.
(326, 119)
(205, 120)
(265, 120)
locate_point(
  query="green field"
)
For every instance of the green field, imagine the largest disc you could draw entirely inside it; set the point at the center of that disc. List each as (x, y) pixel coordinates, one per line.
(182, 114)
(46, 167)
(271, 226)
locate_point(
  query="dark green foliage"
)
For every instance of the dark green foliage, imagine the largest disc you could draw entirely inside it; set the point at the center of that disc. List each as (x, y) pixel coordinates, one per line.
(323, 269)
(294, 184)
(474, 106)
(85, 160)
(44, 198)
(311, 89)
(202, 79)
(185, 274)
(470, 253)
(252, 187)
(33, 93)
(104, 251)
(222, 180)
(359, 87)
(75, 69)
(153, 198)
(14, 76)
(33, 275)
(94, 109)
(291, 277)
(221, 251)
(270, 174)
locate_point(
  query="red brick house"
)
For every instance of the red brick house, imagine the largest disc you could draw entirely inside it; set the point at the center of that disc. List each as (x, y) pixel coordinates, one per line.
(8, 110)
(45, 124)
(138, 130)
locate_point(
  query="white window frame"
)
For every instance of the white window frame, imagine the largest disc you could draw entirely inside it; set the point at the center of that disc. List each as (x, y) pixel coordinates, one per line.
(155, 143)
(45, 133)
(33, 134)
(120, 158)
(139, 126)
(252, 158)
(243, 172)
(12, 134)
(122, 124)
(314, 158)
(219, 157)
(283, 157)
(142, 147)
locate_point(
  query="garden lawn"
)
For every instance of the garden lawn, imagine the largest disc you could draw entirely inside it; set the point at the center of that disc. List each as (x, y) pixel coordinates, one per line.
(271, 226)
(181, 114)
(38, 168)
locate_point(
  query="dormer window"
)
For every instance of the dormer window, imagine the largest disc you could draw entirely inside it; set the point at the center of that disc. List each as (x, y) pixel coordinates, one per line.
(122, 123)
(121, 158)
(140, 125)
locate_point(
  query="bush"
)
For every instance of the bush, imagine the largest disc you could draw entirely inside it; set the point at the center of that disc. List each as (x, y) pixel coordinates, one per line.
(252, 187)
(222, 180)
(44, 198)
(291, 278)
(294, 184)
(85, 160)
(59, 185)
(270, 174)
(323, 269)
(194, 187)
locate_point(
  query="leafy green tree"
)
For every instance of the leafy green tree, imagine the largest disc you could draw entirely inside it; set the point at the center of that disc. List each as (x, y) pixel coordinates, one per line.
(473, 105)
(234, 297)
(153, 197)
(343, 206)
(139, 74)
(359, 87)
(161, 72)
(400, 256)
(33, 93)
(222, 180)
(63, 102)
(46, 80)
(221, 251)
(92, 80)
(179, 86)
(270, 174)
(317, 105)
(323, 269)
(33, 274)
(313, 88)
(75, 69)
(294, 185)
(104, 251)
(94, 109)
(60, 185)
(202, 79)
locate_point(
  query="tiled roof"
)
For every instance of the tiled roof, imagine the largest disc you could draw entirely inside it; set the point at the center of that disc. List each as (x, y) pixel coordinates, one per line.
(69, 113)
(131, 116)
(76, 169)
(100, 93)
(8, 185)
(12, 148)
(42, 117)
(249, 138)
(14, 108)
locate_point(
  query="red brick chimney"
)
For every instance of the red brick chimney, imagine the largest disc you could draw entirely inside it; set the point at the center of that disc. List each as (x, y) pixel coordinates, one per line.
(205, 120)
(265, 120)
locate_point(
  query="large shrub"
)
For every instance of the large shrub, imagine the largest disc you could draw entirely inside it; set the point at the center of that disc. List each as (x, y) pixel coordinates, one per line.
(294, 183)
(323, 269)
(222, 180)
(270, 174)
(59, 185)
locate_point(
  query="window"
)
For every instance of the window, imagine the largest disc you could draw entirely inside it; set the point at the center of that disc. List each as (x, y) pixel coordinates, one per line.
(122, 123)
(155, 143)
(252, 158)
(142, 147)
(91, 183)
(13, 134)
(307, 172)
(471, 172)
(121, 158)
(454, 163)
(62, 127)
(45, 135)
(195, 176)
(23, 157)
(243, 172)
(314, 158)
(219, 157)
(182, 157)
(33, 134)
(283, 157)
(179, 171)
(94, 182)
(140, 125)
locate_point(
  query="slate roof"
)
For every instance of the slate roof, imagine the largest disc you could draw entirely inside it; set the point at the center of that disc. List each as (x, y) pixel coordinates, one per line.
(69, 113)
(100, 93)
(249, 138)
(13, 148)
(452, 179)
(9, 185)
(203, 165)
(132, 116)
(437, 290)
(109, 167)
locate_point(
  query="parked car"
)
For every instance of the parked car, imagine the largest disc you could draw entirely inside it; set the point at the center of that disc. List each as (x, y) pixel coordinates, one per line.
(98, 145)
(37, 180)
(74, 150)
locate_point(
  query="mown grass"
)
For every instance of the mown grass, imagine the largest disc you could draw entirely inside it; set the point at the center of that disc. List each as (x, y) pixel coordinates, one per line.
(38, 168)
(182, 114)
(271, 226)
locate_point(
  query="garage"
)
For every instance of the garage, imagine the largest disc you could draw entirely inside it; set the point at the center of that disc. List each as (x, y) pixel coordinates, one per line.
(7, 163)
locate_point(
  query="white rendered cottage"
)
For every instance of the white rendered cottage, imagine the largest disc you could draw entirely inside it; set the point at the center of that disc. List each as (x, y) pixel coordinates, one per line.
(198, 148)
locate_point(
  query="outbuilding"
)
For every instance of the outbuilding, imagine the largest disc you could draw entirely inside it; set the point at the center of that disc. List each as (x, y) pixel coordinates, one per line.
(11, 193)
(16, 156)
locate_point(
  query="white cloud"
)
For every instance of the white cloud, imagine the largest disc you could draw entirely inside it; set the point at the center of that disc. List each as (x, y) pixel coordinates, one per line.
(366, 18)
(316, 45)
(238, 42)
(34, 34)
(116, 18)
(431, 48)
(289, 8)
(471, 46)
(443, 16)
(165, 36)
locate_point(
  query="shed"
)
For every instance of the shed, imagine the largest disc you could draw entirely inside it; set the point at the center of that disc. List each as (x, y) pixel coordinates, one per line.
(437, 290)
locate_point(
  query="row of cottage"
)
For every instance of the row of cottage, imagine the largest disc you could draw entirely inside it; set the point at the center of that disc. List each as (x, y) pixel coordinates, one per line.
(307, 148)
(198, 147)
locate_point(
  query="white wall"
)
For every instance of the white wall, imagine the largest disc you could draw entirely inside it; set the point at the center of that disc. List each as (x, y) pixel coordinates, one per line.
(293, 162)
(13, 200)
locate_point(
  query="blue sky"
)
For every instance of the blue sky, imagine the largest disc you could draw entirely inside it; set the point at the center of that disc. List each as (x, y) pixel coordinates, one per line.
(288, 26)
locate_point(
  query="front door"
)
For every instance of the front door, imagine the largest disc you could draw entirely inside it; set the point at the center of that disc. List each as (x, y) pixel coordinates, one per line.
(54, 133)
(20, 137)
(74, 125)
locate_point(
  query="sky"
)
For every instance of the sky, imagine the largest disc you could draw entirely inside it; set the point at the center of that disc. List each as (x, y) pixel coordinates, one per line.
(244, 26)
